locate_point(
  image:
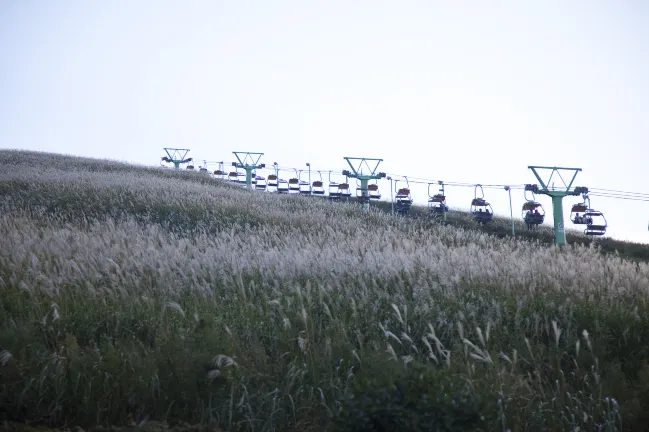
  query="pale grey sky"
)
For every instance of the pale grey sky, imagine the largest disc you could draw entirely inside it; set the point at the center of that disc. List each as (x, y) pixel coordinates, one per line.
(471, 91)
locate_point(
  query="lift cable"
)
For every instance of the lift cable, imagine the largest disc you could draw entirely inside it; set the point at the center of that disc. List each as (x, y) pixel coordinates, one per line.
(594, 192)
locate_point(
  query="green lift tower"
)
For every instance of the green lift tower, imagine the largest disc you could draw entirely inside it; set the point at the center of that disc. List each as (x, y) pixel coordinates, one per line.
(176, 156)
(557, 195)
(249, 162)
(357, 172)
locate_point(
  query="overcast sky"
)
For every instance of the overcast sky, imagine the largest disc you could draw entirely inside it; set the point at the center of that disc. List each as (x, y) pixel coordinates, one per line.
(461, 91)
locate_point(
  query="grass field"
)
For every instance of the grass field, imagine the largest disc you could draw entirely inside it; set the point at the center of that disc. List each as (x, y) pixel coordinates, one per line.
(140, 296)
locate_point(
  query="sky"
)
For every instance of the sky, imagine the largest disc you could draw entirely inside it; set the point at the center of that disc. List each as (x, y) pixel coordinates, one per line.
(459, 91)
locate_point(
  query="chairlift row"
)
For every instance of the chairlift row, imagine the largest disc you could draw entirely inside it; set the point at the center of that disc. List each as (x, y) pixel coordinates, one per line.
(532, 212)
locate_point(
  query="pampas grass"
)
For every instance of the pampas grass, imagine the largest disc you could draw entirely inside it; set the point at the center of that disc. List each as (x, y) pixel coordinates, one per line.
(153, 294)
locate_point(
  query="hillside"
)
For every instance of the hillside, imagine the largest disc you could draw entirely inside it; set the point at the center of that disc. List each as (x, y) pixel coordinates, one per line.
(134, 295)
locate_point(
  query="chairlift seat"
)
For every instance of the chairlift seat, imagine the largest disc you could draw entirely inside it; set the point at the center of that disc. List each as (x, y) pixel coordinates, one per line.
(595, 230)
(483, 217)
(531, 205)
(534, 219)
(439, 209)
(317, 184)
(373, 187)
(403, 191)
(479, 202)
(439, 198)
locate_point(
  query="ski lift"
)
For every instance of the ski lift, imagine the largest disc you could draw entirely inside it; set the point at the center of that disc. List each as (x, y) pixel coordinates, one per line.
(339, 190)
(334, 192)
(374, 191)
(582, 207)
(283, 186)
(594, 220)
(532, 212)
(233, 176)
(241, 179)
(260, 182)
(218, 173)
(190, 167)
(403, 199)
(480, 208)
(596, 223)
(343, 188)
(294, 183)
(437, 202)
(304, 187)
(318, 186)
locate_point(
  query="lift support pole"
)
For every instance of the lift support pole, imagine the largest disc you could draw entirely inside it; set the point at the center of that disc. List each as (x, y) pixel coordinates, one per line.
(249, 163)
(511, 211)
(174, 156)
(357, 172)
(557, 196)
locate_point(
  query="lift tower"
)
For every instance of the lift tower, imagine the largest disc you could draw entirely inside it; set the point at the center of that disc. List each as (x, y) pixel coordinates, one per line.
(357, 172)
(176, 156)
(248, 163)
(557, 195)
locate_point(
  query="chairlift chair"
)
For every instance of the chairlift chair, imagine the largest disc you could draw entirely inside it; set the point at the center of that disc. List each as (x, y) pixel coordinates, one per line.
(403, 201)
(190, 167)
(480, 208)
(436, 203)
(294, 184)
(317, 187)
(219, 173)
(374, 192)
(304, 187)
(283, 186)
(344, 190)
(334, 192)
(532, 212)
(595, 223)
(575, 216)
(260, 183)
(271, 182)
(233, 176)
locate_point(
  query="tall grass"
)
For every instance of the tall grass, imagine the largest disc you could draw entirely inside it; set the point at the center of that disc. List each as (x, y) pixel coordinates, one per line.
(133, 295)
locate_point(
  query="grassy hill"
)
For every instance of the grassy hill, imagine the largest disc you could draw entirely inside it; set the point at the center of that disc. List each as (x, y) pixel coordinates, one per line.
(139, 296)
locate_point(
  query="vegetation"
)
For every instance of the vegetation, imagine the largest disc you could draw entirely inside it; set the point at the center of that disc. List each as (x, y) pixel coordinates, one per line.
(139, 296)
